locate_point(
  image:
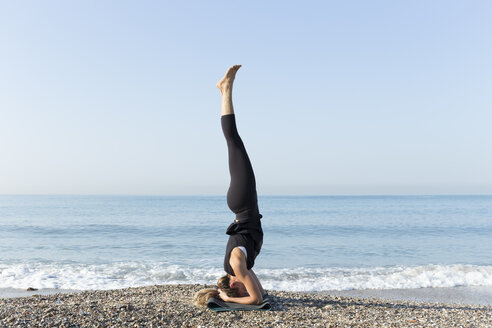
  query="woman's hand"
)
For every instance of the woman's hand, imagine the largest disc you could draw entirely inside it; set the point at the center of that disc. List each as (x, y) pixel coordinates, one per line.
(223, 296)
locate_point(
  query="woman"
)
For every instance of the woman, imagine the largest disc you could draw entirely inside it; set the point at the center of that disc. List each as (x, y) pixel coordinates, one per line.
(240, 285)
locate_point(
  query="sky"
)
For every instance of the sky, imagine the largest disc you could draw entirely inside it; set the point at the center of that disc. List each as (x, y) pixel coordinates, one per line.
(334, 97)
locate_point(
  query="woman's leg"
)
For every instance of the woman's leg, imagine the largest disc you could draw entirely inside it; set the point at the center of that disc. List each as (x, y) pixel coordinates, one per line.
(225, 87)
(241, 195)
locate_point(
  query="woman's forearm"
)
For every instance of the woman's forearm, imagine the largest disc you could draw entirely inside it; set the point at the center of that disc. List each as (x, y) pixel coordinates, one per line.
(245, 300)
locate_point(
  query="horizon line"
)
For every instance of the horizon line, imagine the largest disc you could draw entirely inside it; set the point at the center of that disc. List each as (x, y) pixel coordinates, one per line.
(259, 195)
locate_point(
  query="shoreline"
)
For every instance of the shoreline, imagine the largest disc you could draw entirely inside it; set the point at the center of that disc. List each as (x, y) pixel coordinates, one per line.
(17, 292)
(172, 305)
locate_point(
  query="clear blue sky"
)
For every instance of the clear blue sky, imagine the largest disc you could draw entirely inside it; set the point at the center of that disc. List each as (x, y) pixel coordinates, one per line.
(334, 97)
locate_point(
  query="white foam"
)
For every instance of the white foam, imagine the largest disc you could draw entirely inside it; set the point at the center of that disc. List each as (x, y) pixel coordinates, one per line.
(134, 274)
(431, 276)
(100, 276)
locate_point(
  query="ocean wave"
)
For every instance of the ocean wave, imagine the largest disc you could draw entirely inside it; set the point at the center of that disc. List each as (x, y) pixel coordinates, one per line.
(396, 277)
(135, 274)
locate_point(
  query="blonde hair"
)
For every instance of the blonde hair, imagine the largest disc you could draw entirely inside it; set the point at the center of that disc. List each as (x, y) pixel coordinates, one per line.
(202, 296)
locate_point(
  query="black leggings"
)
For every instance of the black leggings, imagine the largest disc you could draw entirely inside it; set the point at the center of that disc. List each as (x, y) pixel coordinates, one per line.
(241, 196)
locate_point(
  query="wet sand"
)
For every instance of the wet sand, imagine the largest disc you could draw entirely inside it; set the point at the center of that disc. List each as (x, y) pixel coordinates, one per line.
(16, 292)
(456, 295)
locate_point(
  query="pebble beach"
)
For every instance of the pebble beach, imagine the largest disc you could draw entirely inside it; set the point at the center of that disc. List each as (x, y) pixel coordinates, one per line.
(172, 306)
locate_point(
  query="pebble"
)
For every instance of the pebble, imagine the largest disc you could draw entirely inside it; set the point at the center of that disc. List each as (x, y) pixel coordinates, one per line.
(158, 306)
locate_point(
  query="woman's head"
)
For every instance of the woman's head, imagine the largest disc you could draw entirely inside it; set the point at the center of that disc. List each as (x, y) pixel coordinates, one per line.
(228, 284)
(232, 286)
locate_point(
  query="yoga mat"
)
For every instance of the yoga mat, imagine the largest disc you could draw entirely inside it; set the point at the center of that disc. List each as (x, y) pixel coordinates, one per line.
(219, 305)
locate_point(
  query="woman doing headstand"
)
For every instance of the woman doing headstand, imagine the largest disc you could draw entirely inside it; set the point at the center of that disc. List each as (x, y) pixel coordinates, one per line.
(240, 284)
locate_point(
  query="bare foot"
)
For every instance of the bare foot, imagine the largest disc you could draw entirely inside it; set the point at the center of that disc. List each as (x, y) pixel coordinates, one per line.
(225, 84)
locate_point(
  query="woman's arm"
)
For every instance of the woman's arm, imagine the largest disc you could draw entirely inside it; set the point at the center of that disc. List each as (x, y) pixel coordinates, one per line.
(253, 298)
(238, 264)
(262, 291)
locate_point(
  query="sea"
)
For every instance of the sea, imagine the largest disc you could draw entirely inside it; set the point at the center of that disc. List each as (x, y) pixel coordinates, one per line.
(311, 243)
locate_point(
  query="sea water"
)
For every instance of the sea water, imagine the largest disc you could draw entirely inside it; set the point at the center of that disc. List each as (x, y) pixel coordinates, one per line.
(311, 243)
